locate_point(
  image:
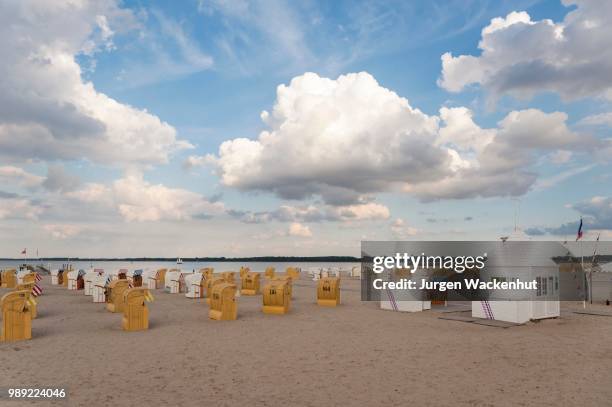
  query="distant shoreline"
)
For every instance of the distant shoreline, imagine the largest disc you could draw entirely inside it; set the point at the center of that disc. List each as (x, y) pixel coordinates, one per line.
(317, 259)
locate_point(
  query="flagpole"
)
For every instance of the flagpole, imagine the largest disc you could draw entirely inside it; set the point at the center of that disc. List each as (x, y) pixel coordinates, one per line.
(582, 267)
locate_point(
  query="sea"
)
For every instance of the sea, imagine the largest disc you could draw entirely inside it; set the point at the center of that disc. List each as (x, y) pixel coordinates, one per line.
(186, 266)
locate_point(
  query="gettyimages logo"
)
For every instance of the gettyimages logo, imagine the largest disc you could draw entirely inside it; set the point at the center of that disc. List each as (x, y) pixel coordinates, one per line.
(472, 271)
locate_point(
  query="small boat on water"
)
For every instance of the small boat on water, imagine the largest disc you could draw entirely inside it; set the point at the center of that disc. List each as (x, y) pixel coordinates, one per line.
(179, 261)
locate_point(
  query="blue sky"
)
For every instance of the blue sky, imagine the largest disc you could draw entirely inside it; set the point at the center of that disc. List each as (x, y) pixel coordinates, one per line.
(113, 144)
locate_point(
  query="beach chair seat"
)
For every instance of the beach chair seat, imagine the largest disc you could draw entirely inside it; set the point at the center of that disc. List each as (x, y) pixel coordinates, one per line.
(16, 316)
(223, 305)
(328, 292)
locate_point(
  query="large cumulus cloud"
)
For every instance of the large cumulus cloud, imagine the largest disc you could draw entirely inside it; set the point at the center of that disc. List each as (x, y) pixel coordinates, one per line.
(347, 138)
(48, 111)
(335, 138)
(520, 56)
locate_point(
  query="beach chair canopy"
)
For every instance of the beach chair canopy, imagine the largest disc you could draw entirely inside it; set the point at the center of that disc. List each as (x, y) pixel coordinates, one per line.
(75, 274)
(173, 275)
(102, 280)
(193, 279)
(133, 273)
(149, 273)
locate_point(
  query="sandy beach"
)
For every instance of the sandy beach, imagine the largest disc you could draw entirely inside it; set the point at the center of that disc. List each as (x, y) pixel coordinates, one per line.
(354, 354)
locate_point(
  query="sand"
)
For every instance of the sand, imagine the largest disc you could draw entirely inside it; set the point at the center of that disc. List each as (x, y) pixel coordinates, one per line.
(354, 354)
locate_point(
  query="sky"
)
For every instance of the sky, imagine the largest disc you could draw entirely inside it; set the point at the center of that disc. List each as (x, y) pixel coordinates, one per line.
(244, 128)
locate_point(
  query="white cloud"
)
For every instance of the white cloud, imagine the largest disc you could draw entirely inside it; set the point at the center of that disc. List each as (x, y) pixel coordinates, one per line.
(522, 57)
(258, 33)
(367, 211)
(599, 211)
(93, 193)
(10, 174)
(62, 231)
(297, 229)
(600, 119)
(137, 200)
(561, 157)
(19, 208)
(545, 183)
(164, 50)
(310, 213)
(60, 180)
(194, 161)
(346, 138)
(400, 230)
(338, 139)
(49, 111)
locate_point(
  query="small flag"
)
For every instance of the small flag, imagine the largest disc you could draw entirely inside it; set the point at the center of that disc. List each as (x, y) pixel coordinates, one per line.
(23, 251)
(579, 234)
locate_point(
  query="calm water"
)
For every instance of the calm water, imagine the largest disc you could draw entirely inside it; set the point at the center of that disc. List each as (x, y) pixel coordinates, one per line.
(187, 266)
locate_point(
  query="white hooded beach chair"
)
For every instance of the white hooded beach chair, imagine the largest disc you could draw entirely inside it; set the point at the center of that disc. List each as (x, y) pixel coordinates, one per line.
(194, 285)
(149, 279)
(75, 279)
(54, 274)
(118, 274)
(134, 277)
(175, 281)
(99, 287)
(88, 278)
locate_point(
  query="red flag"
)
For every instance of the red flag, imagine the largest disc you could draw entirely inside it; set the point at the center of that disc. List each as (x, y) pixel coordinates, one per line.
(23, 251)
(579, 234)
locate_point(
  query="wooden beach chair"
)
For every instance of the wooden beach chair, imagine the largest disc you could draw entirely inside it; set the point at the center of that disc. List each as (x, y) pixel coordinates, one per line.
(276, 297)
(223, 305)
(328, 292)
(16, 316)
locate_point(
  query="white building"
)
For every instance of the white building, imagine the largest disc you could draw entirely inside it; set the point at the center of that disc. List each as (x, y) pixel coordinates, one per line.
(513, 261)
